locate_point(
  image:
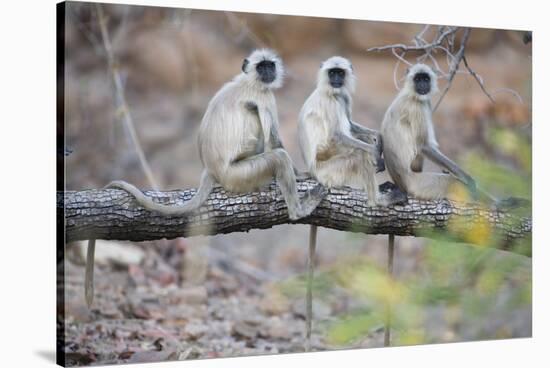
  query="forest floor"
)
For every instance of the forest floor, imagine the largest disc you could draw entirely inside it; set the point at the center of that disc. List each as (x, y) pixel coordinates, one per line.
(143, 312)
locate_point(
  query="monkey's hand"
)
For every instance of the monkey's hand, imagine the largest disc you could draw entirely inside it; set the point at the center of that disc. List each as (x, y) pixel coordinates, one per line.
(375, 159)
(380, 164)
(376, 139)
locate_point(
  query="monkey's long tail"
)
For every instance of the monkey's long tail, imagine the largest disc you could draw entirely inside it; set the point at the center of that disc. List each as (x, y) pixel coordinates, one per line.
(391, 252)
(309, 295)
(89, 278)
(206, 185)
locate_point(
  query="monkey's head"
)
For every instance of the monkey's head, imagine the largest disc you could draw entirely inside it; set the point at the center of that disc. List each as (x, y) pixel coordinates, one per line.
(421, 81)
(336, 73)
(264, 66)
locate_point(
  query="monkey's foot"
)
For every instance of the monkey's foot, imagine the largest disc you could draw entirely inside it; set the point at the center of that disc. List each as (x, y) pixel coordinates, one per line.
(398, 197)
(380, 165)
(309, 202)
(387, 187)
(391, 194)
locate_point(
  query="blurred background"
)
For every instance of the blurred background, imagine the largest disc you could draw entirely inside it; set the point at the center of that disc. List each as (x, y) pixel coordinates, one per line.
(241, 294)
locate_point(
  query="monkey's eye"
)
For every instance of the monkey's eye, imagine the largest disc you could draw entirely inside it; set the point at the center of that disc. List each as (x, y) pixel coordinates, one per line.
(336, 72)
(421, 77)
(266, 64)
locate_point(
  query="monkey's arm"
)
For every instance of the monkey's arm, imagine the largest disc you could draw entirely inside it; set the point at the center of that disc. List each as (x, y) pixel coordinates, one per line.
(274, 139)
(268, 123)
(357, 128)
(351, 142)
(366, 135)
(370, 136)
(275, 142)
(433, 154)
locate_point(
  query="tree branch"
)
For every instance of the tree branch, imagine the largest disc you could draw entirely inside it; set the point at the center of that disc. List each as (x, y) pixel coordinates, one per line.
(113, 214)
(443, 41)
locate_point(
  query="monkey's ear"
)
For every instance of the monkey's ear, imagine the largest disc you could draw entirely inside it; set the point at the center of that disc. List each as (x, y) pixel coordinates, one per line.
(245, 64)
(351, 66)
(320, 66)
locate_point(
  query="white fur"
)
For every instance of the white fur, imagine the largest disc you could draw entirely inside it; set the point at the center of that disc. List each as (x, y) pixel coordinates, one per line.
(257, 56)
(322, 116)
(406, 128)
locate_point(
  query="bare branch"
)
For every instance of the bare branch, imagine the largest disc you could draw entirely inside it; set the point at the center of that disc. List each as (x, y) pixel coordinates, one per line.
(122, 106)
(244, 29)
(454, 66)
(511, 91)
(424, 48)
(478, 79)
(444, 41)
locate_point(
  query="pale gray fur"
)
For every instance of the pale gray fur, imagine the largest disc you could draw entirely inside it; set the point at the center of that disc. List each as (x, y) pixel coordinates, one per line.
(336, 150)
(408, 135)
(333, 154)
(239, 147)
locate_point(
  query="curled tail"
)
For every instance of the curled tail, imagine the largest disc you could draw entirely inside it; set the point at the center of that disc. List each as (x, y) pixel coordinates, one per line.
(206, 185)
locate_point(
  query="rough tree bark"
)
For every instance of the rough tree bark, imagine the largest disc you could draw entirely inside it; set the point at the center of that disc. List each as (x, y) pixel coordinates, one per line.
(113, 214)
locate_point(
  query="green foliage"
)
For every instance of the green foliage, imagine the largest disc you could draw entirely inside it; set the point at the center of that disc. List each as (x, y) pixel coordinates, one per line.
(497, 178)
(466, 282)
(470, 284)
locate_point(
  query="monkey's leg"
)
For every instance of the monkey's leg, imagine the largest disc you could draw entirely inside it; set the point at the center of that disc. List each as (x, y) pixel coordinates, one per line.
(257, 170)
(427, 185)
(369, 177)
(374, 197)
(309, 294)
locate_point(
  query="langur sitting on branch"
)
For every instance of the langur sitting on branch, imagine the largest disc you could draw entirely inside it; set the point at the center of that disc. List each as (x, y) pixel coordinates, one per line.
(239, 146)
(338, 151)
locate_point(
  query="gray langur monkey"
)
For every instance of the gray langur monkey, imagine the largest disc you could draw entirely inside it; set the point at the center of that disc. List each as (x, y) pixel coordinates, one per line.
(239, 147)
(409, 136)
(338, 151)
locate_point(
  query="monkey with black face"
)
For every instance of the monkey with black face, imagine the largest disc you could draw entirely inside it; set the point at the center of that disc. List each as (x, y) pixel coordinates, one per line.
(239, 146)
(338, 151)
(409, 136)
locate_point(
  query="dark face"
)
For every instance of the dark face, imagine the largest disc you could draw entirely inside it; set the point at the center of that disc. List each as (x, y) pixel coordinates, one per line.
(336, 77)
(422, 83)
(266, 71)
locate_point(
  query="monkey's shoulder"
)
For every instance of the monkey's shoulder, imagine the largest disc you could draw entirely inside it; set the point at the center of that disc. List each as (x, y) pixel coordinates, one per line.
(313, 117)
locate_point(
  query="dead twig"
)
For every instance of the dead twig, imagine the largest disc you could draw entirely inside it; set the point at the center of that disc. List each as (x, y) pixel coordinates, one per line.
(454, 66)
(123, 110)
(444, 41)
